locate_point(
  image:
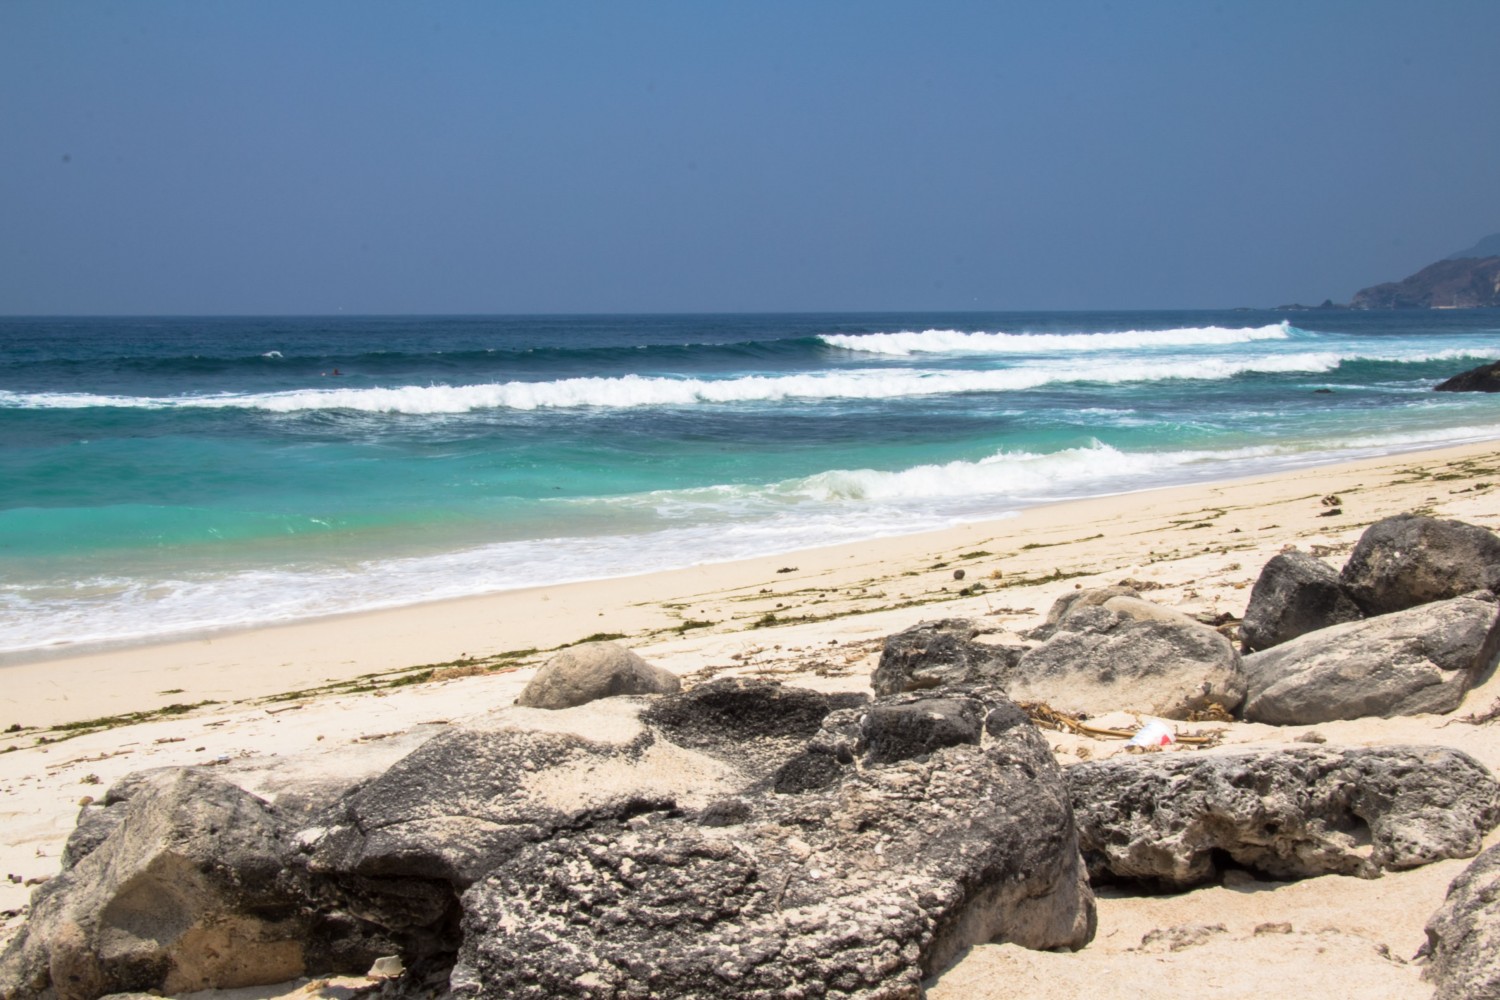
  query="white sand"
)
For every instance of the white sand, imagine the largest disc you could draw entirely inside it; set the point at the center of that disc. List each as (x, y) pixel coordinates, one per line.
(1201, 546)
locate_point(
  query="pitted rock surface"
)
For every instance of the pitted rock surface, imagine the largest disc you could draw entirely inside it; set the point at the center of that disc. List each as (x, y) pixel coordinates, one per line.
(861, 888)
(742, 839)
(1165, 819)
(1423, 659)
(1463, 936)
(1296, 593)
(940, 653)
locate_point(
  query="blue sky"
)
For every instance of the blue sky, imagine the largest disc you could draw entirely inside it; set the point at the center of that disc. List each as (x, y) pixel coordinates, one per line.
(368, 157)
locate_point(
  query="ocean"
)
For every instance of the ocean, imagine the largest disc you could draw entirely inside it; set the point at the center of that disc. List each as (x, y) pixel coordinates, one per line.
(161, 476)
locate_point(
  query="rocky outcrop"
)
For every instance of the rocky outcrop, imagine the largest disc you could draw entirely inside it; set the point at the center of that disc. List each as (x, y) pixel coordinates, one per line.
(1463, 936)
(1423, 659)
(1407, 560)
(593, 670)
(1171, 820)
(939, 653)
(1128, 654)
(1461, 283)
(1485, 378)
(741, 839)
(945, 835)
(1296, 593)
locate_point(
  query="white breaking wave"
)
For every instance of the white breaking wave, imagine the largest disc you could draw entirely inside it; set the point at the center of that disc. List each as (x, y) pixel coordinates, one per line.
(640, 391)
(907, 342)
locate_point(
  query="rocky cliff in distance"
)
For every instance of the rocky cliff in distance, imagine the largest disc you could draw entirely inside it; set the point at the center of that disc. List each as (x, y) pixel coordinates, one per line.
(1456, 283)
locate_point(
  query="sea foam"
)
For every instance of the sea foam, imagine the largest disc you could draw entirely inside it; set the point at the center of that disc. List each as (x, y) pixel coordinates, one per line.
(907, 342)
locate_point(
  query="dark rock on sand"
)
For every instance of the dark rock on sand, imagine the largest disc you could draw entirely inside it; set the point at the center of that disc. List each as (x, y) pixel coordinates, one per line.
(1407, 560)
(1485, 378)
(593, 670)
(1423, 659)
(1463, 936)
(1170, 819)
(862, 888)
(1128, 654)
(1296, 593)
(742, 839)
(938, 653)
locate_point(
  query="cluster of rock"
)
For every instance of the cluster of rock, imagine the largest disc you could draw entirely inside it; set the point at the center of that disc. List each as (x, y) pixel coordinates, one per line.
(747, 839)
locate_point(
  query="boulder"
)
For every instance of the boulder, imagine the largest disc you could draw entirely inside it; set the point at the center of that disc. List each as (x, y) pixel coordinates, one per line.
(1296, 593)
(1485, 378)
(1407, 560)
(861, 887)
(1463, 936)
(593, 670)
(938, 653)
(1420, 660)
(740, 839)
(1078, 599)
(1129, 654)
(179, 881)
(1172, 820)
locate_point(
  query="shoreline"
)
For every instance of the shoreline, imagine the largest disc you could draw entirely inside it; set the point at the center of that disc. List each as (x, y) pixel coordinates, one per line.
(1197, 549)
(874, 581)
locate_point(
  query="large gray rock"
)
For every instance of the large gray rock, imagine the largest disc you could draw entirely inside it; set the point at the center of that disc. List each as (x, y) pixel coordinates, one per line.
(593, 670)
(1407, 560)
(1420, 660)
(1167, 819)
(1296, 593)
(741, 839)
(178, 881)
(1129, 654)
(1463, 936)
(950, 834)
(939, 653)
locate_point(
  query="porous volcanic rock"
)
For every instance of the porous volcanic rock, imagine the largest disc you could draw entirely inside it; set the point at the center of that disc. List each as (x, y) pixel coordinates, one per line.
(938, 653)
(1296, 593)
(1423, 659)
(739, 839)
(1129, 654)
(593, 670)
(1166, 819)
(859, 888)
(1463, 936)
(1407, 560)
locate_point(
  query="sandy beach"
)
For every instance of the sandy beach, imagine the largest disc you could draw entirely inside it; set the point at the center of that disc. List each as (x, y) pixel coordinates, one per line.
(374, 684)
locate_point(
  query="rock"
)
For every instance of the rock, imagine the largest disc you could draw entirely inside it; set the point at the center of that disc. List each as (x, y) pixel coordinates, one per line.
(1167, 819)
(861, 888)
(190, 887)
(938, 653)
(1407, 560)
(1485, 378)
(1463, 936)
(1423, 659)
(1129, 654)
(740, 839)
(593, 670)
(1296, 593)
(1078, 599)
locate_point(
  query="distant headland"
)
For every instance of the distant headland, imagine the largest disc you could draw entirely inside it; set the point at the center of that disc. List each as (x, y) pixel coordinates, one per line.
(1468, 279)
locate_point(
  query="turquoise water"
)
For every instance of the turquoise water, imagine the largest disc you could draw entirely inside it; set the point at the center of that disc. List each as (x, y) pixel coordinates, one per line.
(165, 475)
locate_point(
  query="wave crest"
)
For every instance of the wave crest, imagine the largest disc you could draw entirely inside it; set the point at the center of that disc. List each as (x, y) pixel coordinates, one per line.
(907, 342)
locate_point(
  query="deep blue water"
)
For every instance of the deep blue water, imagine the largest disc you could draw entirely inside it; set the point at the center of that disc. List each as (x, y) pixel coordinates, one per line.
(165, 474)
